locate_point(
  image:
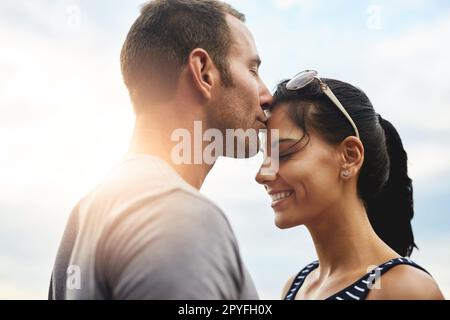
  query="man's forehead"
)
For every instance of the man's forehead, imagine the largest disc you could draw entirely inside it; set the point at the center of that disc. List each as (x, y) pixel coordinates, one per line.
(242, 39)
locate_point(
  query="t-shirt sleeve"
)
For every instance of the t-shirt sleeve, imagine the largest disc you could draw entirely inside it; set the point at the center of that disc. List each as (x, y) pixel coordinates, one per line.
(176, 247)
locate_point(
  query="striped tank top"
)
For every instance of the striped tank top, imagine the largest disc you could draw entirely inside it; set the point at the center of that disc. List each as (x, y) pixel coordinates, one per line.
(358, 290)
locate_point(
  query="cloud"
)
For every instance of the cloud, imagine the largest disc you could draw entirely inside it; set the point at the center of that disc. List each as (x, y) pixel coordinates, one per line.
(428, 161)
(410, 72)
(406, 79)
(435, 258)
(288, 4)
(65, 111)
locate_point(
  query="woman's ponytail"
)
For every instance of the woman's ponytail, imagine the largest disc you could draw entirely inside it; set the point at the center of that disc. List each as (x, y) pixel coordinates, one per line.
(391, 210)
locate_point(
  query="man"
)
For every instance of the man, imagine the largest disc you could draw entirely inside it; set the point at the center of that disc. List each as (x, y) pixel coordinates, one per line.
(146, 232)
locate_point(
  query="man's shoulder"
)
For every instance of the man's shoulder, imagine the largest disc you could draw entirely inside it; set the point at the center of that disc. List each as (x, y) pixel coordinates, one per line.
(192, 209)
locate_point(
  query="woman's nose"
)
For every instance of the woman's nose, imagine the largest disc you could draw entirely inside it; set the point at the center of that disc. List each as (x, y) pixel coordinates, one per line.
(265, 175)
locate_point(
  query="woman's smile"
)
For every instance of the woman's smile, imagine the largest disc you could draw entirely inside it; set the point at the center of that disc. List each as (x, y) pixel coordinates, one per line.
(280, 197)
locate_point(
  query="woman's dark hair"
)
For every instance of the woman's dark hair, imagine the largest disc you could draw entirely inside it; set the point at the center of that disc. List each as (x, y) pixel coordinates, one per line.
(383, 184)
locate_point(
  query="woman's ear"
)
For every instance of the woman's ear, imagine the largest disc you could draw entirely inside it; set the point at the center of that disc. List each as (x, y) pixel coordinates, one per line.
(202, 70)
(352, 157)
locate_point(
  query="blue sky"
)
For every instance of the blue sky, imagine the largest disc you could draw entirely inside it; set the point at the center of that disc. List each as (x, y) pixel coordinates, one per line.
(65, 119)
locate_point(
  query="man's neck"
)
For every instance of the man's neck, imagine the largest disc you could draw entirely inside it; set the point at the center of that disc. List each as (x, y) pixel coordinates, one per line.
(155, 138)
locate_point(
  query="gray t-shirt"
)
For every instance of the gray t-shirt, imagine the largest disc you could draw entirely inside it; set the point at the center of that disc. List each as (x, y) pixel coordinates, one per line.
(145, 233)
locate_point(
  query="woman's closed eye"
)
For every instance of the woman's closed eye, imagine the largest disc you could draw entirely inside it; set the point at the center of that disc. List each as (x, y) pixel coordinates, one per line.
(288, 152)
(286, 156)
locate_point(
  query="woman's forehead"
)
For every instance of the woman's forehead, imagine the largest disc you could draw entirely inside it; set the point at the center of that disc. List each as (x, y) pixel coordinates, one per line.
(281, 120)
(278, 114)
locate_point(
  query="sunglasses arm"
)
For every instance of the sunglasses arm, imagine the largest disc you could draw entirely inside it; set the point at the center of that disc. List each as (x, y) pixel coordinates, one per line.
(335, 100)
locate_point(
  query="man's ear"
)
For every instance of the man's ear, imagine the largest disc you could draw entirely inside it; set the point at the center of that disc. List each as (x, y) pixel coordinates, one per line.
(202, 70)
(352, 155)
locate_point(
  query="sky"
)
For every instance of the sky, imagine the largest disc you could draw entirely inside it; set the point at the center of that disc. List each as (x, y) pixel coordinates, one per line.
(65, 120)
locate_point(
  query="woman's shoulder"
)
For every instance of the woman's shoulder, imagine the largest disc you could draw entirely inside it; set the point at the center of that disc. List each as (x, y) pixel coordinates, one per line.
(405, 282)
(287, 286)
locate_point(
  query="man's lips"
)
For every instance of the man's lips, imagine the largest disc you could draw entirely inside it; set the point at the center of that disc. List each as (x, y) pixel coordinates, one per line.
(261, 125)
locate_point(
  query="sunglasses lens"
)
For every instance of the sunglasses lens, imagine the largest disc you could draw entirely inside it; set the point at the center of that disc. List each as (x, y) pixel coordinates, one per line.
(301, 80)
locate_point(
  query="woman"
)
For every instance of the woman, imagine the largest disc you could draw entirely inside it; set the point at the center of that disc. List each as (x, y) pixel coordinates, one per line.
(343, 174)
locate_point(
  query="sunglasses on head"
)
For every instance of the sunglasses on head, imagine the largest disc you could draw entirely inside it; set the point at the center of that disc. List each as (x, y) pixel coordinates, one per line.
(304, 78)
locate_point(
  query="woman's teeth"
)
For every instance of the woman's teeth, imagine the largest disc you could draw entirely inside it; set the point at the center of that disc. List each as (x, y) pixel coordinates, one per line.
(280, 195)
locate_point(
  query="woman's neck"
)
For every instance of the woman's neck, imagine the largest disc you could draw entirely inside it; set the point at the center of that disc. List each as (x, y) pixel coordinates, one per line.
(345, 240)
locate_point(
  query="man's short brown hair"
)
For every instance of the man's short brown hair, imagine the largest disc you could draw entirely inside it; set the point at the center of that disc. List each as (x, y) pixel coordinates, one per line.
(160, 41)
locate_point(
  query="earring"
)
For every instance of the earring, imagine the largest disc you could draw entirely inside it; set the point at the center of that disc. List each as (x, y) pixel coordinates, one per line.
(345, 174)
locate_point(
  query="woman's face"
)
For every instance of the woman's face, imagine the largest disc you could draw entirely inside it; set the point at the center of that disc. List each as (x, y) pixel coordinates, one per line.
(308, 180)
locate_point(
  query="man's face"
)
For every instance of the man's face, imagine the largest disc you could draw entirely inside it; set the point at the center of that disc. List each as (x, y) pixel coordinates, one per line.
(240, 106)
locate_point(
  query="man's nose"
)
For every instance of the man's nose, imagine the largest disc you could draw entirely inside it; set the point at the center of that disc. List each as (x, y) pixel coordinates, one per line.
(265, 98)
